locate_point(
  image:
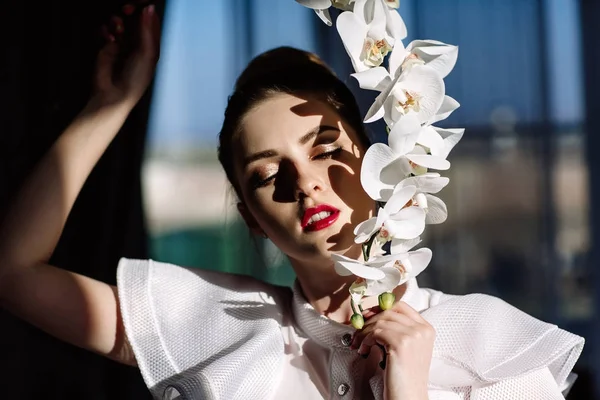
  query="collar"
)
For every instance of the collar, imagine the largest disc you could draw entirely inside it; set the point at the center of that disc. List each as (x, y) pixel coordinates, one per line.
(327, 332)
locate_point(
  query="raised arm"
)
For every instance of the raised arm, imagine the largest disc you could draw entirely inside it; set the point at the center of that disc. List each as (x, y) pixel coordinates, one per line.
(74, 308)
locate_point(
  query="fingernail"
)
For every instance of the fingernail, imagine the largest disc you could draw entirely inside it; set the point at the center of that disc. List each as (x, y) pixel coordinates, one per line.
(151, 9)
(128, 9)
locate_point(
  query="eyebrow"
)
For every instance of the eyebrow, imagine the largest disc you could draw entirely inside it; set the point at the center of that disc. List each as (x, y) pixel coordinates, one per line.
(316, 131)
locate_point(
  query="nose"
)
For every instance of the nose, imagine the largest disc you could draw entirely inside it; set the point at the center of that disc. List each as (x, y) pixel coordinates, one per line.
(310, 180)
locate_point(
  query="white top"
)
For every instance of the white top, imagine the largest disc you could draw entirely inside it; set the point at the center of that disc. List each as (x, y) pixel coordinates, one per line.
(207, 335)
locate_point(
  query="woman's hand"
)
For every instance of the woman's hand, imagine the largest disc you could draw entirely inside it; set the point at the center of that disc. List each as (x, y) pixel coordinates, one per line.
(124, 72)
(408, 342)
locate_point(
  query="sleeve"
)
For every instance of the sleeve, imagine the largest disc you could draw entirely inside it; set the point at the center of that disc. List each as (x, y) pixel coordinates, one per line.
(538, 384)
(483, 341)
(200, 334)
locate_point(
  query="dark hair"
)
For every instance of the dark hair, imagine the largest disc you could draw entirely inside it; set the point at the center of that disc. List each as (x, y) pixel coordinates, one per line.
(283, 70)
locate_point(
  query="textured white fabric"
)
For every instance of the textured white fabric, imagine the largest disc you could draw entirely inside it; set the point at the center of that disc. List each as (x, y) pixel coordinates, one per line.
(206, 335)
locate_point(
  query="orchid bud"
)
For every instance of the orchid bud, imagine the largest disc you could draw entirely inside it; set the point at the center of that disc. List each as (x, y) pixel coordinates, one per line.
(357, 321)
(386, 300)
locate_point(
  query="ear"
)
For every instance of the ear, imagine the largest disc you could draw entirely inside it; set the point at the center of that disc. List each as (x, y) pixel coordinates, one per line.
(249, 220)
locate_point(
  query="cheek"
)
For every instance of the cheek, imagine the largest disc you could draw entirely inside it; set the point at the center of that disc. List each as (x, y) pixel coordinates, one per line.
(345, 179)
(264, 210)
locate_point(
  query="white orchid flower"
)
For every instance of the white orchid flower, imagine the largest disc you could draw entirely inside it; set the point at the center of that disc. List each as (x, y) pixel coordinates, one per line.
(394, 220)
(321, 7)
(385, 166)
(369, 32)
(382, 274)
(397, 268)
(439, 56)
(419, 91)
(435, 209)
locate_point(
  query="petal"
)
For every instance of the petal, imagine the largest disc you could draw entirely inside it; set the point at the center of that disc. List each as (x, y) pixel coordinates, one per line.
(373, 79)
(395, 172)
(325, 16)
(375, 160)
(347, 268)
(396, 59)
(428, 161)
(437, 211)
(451, 138)
(429, 138)
(428, 84)
(353, 34)
(374, 112)
(382, 216)
(364, 10)
(392, 278)
(378, 21)
(315, 4)
(437, 55)
(390, 114)
(448, 106)
(399, 199)
(426, 183)
(396, 27)
(404, 134)
(403, 245)
(382, 261)
(409, 223)
(419, 260)
(365, 229)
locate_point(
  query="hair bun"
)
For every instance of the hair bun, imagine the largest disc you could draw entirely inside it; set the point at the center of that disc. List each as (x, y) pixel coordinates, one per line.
(281, 60)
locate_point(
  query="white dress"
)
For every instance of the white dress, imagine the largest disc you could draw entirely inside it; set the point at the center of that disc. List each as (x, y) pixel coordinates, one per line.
(206, 335)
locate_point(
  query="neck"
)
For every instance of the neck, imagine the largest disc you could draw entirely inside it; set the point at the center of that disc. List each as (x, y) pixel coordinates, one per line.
(328, 292)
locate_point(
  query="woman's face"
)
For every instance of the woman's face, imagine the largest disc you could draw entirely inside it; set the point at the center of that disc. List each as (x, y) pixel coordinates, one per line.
(298, 166)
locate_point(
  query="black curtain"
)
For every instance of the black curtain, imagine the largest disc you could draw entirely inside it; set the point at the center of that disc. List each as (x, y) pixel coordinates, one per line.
(590, 15)
(48, 56)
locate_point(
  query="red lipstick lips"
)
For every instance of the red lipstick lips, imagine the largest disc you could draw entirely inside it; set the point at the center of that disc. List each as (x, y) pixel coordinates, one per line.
(319, 217)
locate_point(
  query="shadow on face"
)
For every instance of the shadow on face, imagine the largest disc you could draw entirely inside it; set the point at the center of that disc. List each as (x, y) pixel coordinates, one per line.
(302, 155)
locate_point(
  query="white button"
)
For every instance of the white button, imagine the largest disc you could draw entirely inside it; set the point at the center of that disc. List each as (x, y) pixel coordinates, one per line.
(347, 339)
(343, 389)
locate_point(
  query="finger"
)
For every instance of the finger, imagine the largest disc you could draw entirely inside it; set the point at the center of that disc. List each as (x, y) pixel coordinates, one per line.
(104, 64)
(403, 308)
(128, 9)
(147, 36)
(156, 31)
(106, 35)
(384, 315)
(383, 318)
(384, 336)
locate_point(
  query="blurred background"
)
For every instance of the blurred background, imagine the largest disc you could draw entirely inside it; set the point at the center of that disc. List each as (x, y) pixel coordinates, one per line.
(524, 178)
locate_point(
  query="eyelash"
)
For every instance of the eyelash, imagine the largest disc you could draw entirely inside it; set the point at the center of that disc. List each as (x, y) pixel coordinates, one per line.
(258, 183)
(328, 154)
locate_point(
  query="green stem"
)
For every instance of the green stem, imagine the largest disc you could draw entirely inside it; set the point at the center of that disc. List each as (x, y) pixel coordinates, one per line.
(353, 306)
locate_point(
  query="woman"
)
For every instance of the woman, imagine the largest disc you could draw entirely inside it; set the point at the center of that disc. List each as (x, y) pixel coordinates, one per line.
(292, 144)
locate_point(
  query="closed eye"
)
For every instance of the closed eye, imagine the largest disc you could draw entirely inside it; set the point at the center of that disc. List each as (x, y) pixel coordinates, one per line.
(258, 183)
(328, 154)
